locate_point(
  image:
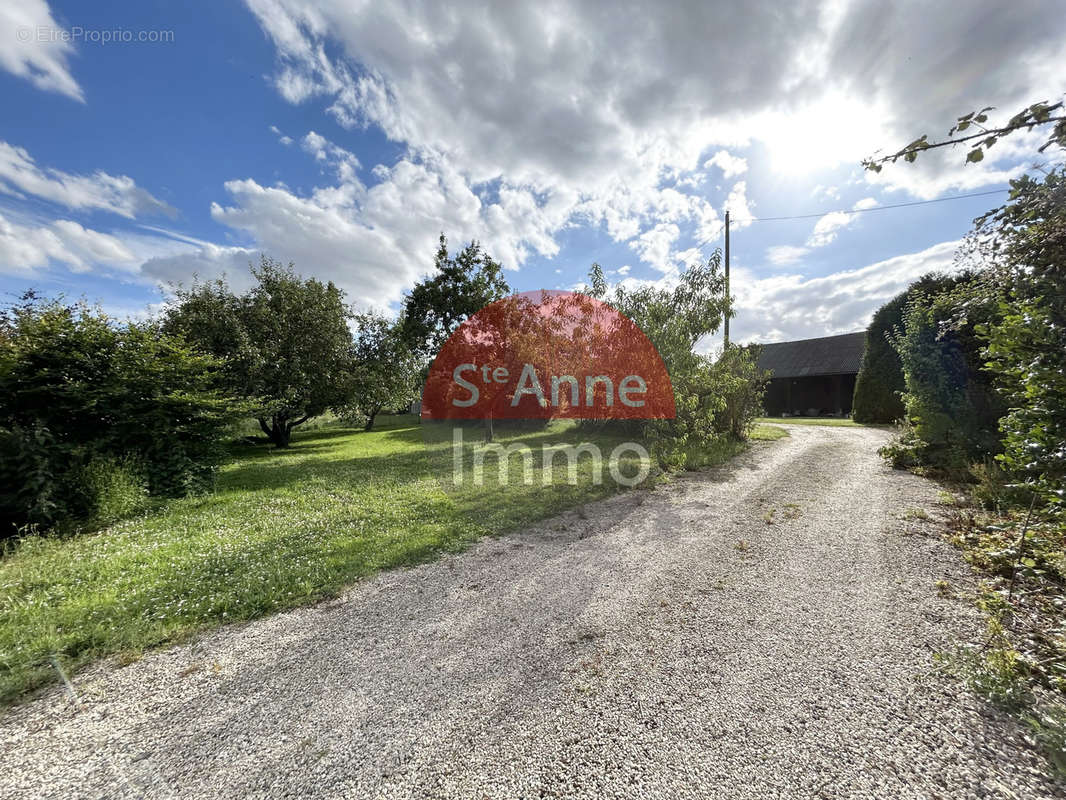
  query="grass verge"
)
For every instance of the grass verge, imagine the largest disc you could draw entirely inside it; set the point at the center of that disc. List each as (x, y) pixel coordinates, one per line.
(830, 422)
(767, 433)
(282, 529)
(1021, 665)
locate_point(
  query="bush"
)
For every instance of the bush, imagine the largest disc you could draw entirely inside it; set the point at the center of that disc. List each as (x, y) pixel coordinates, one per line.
(715, 400)
(951, 408)
(94, 413)
(742, 386)
(1027, 343)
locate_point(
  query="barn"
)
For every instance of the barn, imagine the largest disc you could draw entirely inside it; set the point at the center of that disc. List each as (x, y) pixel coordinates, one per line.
(812, 377)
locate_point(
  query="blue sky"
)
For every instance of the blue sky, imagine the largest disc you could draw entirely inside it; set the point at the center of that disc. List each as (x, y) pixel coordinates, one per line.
(344, 136)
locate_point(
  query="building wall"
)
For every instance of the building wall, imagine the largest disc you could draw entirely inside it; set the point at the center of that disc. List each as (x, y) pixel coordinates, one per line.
(816, 395)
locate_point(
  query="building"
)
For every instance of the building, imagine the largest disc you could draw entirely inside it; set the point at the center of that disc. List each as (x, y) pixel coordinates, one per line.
(812, 377)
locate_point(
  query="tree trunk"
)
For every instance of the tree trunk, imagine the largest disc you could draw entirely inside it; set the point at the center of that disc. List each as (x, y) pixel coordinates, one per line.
(279, 428)
(282, 431)
(370, 421)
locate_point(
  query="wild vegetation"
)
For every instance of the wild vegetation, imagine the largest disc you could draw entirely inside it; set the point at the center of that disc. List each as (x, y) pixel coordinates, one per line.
(982, 356)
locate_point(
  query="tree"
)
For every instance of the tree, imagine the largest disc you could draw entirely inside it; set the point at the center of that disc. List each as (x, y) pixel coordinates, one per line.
(880, 384)
(285, 343)
(1019, 299)
(1036, 115)
(711, 399)
(461, 286)
(385, 370)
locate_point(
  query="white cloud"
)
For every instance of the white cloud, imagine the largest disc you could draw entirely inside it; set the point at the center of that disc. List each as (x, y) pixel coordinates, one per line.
(119, 194)
(866, 202)
(26, 247)
(616, 116)
(29, 50)
(730, 165)
(654, 246)
(821, 192)
(827, 228)
(737, 203)
(785, 254)
(785, 307)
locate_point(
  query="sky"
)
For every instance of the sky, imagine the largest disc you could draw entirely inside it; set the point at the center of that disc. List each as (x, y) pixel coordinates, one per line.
(147, 144)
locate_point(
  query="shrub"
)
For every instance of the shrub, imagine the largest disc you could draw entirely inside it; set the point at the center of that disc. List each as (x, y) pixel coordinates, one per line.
(950, 406)
(1027, 343)
(742, 385)
(94, 413)
(716, 401)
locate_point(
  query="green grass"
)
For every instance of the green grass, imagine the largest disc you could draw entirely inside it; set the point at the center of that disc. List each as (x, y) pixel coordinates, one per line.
(833, 422)
(283, 528)
(767, 433)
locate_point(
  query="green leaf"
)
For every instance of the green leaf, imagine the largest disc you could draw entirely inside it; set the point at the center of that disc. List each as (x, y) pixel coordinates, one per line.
(975, 155)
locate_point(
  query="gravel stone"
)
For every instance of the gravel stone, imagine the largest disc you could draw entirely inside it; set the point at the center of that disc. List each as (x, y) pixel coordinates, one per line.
(659, 644)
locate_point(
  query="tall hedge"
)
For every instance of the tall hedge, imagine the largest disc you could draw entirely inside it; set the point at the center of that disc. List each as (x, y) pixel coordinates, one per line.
(880, 380)
(880, 384)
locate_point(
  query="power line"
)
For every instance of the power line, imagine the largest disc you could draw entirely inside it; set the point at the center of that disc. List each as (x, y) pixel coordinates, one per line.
(881, 208)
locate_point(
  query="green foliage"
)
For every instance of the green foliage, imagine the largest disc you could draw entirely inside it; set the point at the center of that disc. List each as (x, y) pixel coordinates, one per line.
(879, 383)
(1027, 343)
(714, 400)
(879, 386)
(951, 407)
(460, 286)
(982, 138)
(112, 488)
(385, 370)
(285, 344)
(742, 386)
(81, 396)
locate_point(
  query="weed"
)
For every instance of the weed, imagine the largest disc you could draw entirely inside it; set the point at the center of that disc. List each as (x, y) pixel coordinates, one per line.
(946, 498)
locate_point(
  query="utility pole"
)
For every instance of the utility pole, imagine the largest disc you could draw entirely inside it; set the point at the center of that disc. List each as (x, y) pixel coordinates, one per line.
(728, 304)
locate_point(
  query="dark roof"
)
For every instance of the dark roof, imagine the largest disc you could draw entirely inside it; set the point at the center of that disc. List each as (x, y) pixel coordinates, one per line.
(828, 355)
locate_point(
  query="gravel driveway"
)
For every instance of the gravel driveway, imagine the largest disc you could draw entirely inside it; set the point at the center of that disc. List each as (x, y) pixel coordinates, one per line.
(672, 643)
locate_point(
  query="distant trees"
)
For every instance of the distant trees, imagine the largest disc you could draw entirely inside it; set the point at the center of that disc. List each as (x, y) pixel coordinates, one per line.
(462, 285)
(98, 415)
(384, 368)
(285, 344)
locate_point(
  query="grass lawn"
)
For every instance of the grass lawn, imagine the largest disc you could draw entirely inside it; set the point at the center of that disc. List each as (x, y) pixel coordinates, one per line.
(283, 528)
(835, 422)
